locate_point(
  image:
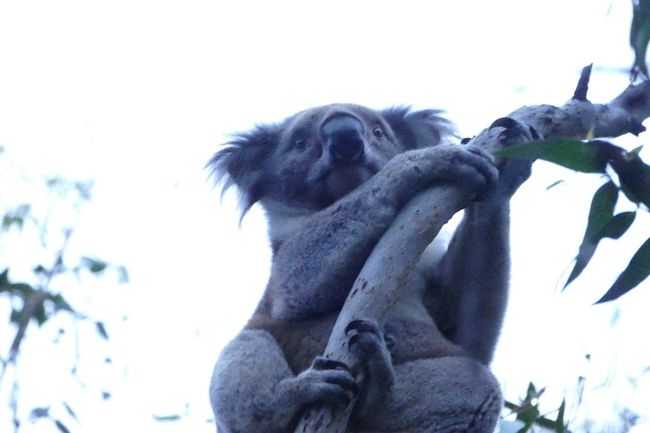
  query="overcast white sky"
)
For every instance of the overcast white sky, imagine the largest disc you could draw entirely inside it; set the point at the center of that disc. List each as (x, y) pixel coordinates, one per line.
(137, 95)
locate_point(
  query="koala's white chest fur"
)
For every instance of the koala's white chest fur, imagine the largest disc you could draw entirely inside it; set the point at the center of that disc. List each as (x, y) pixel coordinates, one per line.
(283, 220)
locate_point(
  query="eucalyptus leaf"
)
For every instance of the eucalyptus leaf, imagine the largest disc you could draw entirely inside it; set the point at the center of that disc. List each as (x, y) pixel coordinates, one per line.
(600, 216)
(122, 275)
(23, 289)
(60, 303)
(16, 217)
(166, 418)
(39, 412)
(576, 155)
(101, 330)
(95, 266)
(70, 411)
(40, 315)
(634, 175)
(618, 225)
(636, 271)
(560, 425)
(61, 426)
(640, 34)
(4, 279)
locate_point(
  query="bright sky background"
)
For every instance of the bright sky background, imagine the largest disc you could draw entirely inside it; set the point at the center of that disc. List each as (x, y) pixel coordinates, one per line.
(137, 95)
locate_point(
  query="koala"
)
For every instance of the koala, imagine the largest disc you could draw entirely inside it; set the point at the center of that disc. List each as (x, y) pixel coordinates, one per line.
(331, 180)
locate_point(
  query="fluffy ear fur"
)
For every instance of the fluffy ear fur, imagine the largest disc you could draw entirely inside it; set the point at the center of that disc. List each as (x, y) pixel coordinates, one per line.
(243, 163)
(416, 129)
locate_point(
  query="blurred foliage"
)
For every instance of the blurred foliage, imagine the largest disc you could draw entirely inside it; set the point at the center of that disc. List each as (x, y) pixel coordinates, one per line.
(626, 175)
(44, 221)
(639, 37)
(529, 415)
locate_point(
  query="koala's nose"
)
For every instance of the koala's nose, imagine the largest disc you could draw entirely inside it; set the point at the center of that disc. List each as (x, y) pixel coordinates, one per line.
(343, 138)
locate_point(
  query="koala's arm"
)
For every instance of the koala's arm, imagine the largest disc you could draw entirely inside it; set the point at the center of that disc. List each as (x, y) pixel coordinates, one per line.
(314, 268)
(475, 271)
(474, 280)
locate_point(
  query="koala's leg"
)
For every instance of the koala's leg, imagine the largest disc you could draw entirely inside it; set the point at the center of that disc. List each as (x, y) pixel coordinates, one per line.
(253, 389)
(442, 395)
(314, 269)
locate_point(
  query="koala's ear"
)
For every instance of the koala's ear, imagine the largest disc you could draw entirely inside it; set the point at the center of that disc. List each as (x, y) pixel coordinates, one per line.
(415, 129)
(242, 163)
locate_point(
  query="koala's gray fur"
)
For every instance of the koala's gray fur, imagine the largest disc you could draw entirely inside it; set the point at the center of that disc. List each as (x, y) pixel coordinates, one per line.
(331, 180)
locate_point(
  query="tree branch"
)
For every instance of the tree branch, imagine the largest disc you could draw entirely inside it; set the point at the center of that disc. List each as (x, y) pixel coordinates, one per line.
(380, 282)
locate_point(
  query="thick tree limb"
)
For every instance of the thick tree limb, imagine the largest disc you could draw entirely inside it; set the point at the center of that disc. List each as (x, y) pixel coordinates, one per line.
(379, 284)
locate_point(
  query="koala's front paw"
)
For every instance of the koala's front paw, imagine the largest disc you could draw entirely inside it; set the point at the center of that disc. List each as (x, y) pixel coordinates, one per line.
(325, 381)
(466, 166)
(513, 172)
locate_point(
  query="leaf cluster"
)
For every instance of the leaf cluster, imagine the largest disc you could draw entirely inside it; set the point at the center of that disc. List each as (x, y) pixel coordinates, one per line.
(633, 176)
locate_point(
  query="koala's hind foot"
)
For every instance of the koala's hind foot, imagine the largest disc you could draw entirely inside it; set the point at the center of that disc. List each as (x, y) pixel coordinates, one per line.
(366, 342)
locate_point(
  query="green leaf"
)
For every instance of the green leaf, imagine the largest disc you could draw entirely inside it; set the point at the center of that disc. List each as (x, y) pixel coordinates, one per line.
(95, 266)
(70, 411)
(22, 289)
(101, 330)
(16, 217)
(60, 303)
(84, 189)
(4, 279)
(528, 417)
(14, 317)
(532, 393)
(618, 225)
(573, 154)
(39, 412)
(634, 176)
(166, 418)
(637, 149)
(122, 275)
(40, 315)
(554, 184)
(600, 216)
(61, 426)
(39, 270)
(636, 271)
(640, 34)
(560, 426)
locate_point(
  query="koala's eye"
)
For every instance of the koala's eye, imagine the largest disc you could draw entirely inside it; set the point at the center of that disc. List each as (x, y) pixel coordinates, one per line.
(378, 132)
(299, 144)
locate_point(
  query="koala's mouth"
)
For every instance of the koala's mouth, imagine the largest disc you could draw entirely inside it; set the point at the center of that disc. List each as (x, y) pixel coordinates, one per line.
(341, 180)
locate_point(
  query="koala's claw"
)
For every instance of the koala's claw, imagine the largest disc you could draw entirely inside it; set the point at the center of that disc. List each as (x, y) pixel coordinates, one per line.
(322, 363)
(361, 325)
(488, 171)
(326, 381)
(512, 172)
(515, 132)
(365, 333)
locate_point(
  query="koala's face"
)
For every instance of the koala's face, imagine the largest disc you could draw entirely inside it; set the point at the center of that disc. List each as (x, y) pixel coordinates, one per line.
(325, 152)
(317, 156)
